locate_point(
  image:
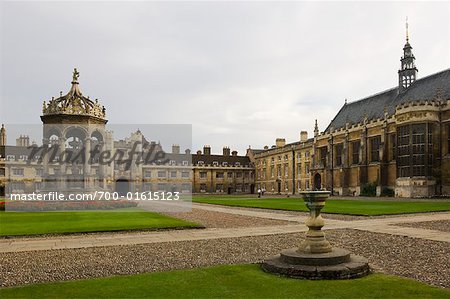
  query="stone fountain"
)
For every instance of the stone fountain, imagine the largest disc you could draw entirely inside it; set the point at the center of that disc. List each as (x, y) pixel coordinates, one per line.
(315, 258)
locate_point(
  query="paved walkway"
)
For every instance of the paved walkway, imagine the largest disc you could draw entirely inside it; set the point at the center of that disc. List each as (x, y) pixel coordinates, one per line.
(251, 212)
(378, 225)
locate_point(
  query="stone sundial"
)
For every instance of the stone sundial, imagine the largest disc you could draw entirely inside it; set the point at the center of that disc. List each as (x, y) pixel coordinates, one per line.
(315, 258)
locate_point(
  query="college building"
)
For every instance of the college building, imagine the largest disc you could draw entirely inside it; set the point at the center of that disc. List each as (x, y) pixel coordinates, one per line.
(75, 125)
(226, 173)
(74, 130)
(394, 142)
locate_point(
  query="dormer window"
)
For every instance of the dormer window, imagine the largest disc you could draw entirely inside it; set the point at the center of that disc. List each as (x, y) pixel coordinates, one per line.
(215, 163)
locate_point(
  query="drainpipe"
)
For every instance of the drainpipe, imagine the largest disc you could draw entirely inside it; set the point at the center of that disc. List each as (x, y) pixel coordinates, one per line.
(440, 151)
(332, 167)
(293, 172)
(367, 156)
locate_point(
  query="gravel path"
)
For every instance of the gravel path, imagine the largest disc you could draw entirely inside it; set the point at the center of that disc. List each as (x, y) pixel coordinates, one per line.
(424, 260)
(212, 219)
(440, 225)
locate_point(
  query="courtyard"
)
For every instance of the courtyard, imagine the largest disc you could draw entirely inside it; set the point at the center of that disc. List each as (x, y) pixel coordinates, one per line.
(225, 149)
(213, 251)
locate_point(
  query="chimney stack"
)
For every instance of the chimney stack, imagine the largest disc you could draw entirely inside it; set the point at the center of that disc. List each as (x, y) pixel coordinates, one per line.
(226, 151)
(303, 136)
(175, 149)
(23, 140)
(207, 150)
(280, 142)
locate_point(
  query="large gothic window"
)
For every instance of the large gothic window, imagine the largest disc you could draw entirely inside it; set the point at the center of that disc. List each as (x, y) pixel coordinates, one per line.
(403, 163)
(375, 143)
(414, 150)
(323, 156)
(418, 143)
(339, 149)
(355, 151)
(392, 147)
(448, 139)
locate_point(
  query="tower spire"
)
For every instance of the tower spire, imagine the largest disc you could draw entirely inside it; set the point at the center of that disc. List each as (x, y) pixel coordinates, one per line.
(2, 135)
(316, 129)
(408, 71)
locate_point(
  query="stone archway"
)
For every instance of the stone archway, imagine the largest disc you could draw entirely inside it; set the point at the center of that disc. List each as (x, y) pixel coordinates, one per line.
(317, 182)
(122, 186)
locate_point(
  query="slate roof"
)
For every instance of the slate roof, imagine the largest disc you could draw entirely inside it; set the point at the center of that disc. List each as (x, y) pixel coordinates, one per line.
(257, 151)
(231, 160)
(17, 151)
(285, 146)
(422, 89)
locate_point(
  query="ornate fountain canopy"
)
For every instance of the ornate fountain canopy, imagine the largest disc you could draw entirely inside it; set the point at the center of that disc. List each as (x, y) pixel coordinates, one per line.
(74, 103)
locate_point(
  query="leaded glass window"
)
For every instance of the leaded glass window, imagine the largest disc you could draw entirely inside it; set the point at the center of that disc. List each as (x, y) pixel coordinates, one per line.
(375, 143)
(414, 150)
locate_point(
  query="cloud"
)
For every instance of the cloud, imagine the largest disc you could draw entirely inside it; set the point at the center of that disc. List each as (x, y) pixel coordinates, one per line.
(242, 73)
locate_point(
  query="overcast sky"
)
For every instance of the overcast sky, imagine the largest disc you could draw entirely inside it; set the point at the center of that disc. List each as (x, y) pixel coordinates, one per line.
(241, 73)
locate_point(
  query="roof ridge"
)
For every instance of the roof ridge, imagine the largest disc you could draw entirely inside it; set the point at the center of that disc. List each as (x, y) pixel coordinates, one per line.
(371, 96)
(393, 88)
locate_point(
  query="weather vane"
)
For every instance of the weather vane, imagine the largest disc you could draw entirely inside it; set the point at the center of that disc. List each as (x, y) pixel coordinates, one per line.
(407, 34)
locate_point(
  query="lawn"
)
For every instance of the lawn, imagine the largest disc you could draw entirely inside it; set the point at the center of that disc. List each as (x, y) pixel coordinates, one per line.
(32, 223)
(237, 281)
(334, 206)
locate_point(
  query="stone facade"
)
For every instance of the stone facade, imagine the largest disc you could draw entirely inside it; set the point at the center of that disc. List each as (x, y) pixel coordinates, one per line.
(284, 168)
(223, 174)
(74, 124)
(395, 142)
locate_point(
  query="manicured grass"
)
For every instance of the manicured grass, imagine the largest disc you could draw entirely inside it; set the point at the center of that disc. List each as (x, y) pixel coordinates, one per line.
(341, 206)
(32, 223)
(238, 281)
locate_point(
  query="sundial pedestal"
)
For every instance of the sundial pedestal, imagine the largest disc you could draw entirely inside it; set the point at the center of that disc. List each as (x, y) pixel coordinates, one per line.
(315, 258)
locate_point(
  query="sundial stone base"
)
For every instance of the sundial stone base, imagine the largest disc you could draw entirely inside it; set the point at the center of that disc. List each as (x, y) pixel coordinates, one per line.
(315, 258)
(337, 264)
